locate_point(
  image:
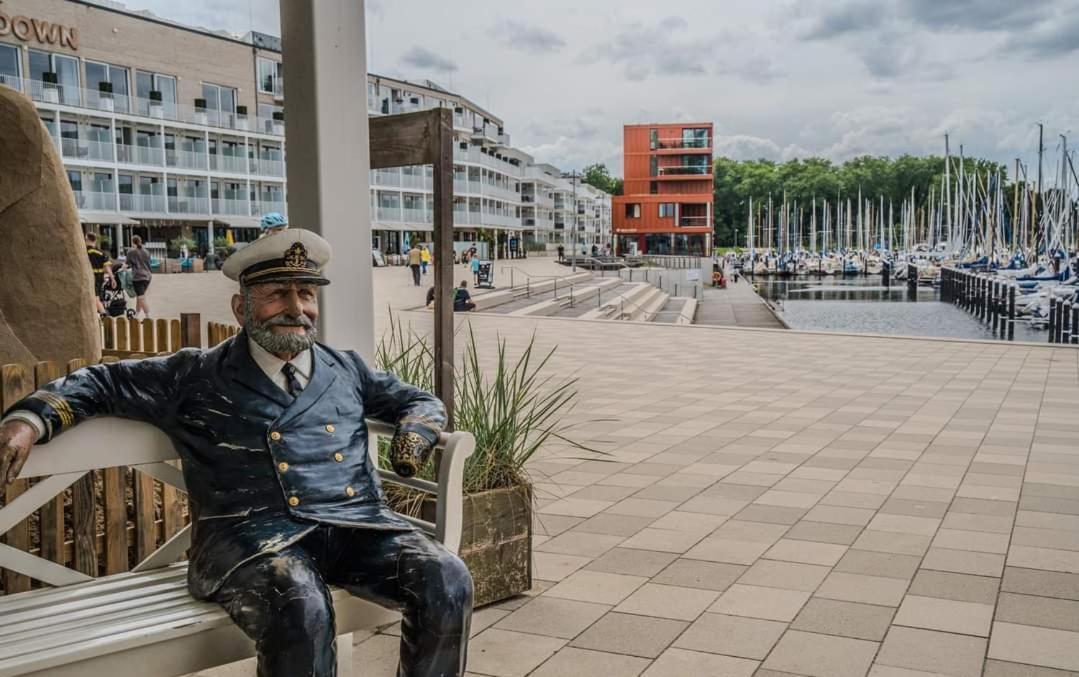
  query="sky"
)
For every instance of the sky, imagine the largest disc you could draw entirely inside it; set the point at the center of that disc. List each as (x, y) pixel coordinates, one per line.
(779, 79)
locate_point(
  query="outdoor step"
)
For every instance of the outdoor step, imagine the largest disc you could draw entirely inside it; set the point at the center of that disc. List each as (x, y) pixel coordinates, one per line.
(678, 310)
(646, 308)
(627, 299)
(572, 294)
(495, 298)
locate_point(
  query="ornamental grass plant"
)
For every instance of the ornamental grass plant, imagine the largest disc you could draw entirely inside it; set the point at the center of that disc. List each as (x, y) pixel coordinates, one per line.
(512, 410)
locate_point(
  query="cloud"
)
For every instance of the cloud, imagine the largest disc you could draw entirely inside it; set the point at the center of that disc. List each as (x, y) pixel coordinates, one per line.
(1056, 36)
(531, 39)
(974, 15)
(748, 147)
(426, 60)
(660, 49)
(843, 18)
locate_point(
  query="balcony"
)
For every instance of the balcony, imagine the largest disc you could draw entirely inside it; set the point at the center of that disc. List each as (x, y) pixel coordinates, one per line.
(412, 215)
(683, 144)
(186, 159)
(685, 170)
(140, 155)
(693, 221)
(460, 186)
(417, 181)
(271, 167)
(231, 164)
(81, 149)
(188, 205)
(267, 205)
(231, 207)
(392, 214)
(142, 203)
(78, 97)
(95, 200)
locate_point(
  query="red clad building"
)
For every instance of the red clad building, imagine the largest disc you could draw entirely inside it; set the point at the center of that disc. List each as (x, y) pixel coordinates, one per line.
(666, 207)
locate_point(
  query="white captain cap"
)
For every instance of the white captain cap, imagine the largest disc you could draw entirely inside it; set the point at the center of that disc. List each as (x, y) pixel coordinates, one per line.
(293, 255)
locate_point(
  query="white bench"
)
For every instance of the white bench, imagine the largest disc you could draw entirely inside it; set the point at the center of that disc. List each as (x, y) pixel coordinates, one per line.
(144, 623)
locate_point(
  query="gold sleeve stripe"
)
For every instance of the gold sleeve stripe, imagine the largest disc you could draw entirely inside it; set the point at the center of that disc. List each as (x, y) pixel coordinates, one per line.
(60, 406)
(425, 421)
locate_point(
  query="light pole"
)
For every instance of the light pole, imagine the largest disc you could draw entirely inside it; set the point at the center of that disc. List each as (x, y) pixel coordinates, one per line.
(573, 260)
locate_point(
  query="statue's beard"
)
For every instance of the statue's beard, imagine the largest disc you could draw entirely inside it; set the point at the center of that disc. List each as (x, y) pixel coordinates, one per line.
(263, 334)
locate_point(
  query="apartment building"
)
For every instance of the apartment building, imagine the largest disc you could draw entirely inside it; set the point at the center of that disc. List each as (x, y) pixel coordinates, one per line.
(667, 203)
(173, 132)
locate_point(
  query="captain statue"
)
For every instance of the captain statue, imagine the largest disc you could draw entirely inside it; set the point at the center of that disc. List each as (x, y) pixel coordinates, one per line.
(285, 500)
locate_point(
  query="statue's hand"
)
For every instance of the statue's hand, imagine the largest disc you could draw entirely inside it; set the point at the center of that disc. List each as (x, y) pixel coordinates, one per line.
(408, 453)
(16, 439)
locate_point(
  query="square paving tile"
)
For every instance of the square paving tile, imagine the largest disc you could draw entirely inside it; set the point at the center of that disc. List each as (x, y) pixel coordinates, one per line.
(757, 602)
(641, 507)
(933, 652)
(731, 635)
(573, 662)
(901, 544)
(549, 566)
(905, 524)
(668, 601)
(597, 587)
(1049, 559)
(579, 543)
(806, 653)
(964, 562)
(730, 551)
(770, 514)
(933, 613)
(631, 635)
(552, 617)
(789, 575)
(692, 573)
(849, 619)
(806, 552)
(862, 588)
(663, 540)
(960, 587)
(682, 662)
(979, 541)
(1037, 646)
(632, 562)
(1044, 583)
(1062, 614)
(613, 525)
(509, 654)
(887, 564)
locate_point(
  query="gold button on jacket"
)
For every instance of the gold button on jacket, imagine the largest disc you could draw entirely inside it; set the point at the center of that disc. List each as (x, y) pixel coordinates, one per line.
(330, 428)
(282, 466)
(293, 501)
(275, 436)
(350, 491)
(338, 457)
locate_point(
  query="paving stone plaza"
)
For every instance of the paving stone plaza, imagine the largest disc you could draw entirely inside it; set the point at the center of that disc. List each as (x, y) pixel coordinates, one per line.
(771, 503)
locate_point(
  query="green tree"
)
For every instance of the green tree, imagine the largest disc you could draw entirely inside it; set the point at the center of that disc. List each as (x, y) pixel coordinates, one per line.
(598, 176)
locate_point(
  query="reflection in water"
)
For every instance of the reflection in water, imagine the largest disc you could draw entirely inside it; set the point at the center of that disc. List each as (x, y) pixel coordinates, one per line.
(863, 305)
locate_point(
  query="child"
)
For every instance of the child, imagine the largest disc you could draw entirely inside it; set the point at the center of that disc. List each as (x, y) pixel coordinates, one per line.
(272, 223)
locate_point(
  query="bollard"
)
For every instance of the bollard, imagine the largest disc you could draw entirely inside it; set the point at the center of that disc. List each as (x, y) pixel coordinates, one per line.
(994, 308)
(1011, 311)
(1052, 319)
(1066, 323)
(1075, 323)
(1060, 321)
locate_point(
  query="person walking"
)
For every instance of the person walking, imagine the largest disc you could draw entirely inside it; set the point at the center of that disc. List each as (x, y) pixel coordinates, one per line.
(101, 265)
(476, 269)
(425, 259)
(414, 260)
(561, 253)
(138, 260)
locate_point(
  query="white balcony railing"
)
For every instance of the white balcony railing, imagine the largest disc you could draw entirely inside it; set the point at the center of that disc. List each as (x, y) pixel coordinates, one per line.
(460, 186)
(185, 159)
(266, 205)
(233, 164)
(231, 207)
(140, 155)
(392, 214)
(78, 97)
(271, 167)
(142, 203)
(411, 215)
(189, 205)
(84, 149)
(95, 200)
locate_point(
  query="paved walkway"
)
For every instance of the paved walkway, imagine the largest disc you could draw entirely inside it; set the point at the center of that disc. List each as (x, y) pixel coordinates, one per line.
(777, 503)
(736, 306)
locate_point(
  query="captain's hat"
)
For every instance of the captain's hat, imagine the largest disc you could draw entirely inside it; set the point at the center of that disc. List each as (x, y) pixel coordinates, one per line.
(293, 255)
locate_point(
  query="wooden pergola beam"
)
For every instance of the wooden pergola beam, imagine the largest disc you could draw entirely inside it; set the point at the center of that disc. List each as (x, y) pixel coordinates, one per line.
(426, 138)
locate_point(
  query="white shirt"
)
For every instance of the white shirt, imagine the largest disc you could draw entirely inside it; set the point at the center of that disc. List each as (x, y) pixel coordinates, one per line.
(269, 363)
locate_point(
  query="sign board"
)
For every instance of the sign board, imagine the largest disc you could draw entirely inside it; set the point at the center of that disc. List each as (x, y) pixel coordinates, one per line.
(693, 275)
(38, 30)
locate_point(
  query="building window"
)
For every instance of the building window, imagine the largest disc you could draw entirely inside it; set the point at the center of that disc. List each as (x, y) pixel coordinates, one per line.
(695, 137)
(116, 76)
(695, 164)
(66, 69)
(74, 177)
(146, 82)
(653, 187)
(653, 139)
(271, 80)
(220, 103)
(666, 210)
(633, 210)
(9, 66)
(653, 166)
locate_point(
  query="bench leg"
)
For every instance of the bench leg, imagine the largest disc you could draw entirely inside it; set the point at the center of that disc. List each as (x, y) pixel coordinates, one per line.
(344, 655)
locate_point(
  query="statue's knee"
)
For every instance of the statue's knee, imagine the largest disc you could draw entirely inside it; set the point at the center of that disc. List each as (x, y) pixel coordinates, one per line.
(283, 598)
(448, 589)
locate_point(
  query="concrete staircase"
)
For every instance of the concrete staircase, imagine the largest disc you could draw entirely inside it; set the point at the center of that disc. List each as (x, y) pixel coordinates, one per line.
(679, 310)
(641, 303)
(572, 295)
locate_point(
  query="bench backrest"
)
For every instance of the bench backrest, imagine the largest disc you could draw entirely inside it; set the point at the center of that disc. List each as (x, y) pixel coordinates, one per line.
(111, 442)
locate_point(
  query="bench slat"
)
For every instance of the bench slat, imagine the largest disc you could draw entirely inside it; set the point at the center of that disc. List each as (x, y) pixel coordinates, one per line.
(71, 624)
(90, 588)
(91, 602)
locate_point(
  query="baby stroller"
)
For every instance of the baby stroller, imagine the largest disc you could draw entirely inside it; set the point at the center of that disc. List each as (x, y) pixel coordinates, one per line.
(114, 297)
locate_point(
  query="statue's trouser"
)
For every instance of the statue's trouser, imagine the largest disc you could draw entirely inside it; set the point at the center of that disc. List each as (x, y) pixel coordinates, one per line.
(281, 600)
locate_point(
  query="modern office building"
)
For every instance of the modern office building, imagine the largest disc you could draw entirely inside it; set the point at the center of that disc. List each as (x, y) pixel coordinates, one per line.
(174, 132)
(667, 203)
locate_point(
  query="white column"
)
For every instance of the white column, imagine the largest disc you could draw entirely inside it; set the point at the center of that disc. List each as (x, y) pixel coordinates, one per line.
(324, 44)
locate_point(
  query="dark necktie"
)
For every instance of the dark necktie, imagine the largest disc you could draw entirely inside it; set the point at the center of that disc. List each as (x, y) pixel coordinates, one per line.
(291, 381)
